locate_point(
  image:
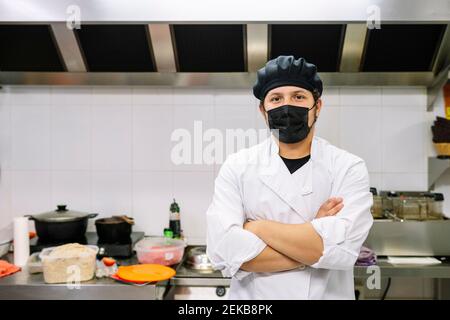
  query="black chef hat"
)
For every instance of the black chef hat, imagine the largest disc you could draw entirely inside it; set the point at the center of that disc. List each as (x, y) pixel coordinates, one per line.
(286, 71)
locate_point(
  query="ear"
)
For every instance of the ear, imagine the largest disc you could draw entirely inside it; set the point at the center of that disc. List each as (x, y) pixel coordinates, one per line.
(263, 111)
(318, 106)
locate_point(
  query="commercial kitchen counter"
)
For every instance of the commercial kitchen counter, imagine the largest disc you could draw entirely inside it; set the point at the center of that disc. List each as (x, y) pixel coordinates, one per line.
(186, 277)
(23, 285)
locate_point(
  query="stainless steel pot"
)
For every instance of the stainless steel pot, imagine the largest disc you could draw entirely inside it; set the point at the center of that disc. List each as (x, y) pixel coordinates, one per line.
(198, 260)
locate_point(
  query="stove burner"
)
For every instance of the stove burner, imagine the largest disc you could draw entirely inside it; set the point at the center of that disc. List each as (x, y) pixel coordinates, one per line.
(117, 250)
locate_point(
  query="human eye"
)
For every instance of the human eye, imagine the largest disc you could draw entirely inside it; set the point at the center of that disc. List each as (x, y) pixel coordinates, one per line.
(275, 99)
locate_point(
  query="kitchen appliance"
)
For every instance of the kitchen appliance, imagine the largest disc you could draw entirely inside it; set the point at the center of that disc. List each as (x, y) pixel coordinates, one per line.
(196, 284)
(410, 238)
(407, 205)
(115, 229)
(117, 250)
(61, 225)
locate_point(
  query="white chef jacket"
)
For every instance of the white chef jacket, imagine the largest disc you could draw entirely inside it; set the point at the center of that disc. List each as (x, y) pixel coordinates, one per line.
(255, 184)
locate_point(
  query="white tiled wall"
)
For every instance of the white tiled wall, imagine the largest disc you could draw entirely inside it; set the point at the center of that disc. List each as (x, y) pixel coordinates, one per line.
(443, 183)
(107, 150)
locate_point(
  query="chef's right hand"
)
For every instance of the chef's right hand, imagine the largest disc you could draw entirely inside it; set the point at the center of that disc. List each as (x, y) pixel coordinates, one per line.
(330, 207)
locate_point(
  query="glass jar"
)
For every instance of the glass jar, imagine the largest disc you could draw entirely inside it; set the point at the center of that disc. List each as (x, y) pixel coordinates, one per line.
(436, 207)
(409, 209)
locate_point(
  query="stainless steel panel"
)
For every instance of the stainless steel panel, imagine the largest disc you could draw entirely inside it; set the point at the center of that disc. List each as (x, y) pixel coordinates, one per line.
(410, 238)
(257, 39)
(68, 46)
(352, 50)
(173, 11)
(219, 80)
(162, 47)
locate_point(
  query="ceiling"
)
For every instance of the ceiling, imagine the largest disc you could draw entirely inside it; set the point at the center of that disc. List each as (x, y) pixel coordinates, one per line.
(134, 46)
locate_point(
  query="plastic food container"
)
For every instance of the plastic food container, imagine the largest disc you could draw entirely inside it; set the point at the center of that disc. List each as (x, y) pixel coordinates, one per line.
(69, 267)
(160, 250)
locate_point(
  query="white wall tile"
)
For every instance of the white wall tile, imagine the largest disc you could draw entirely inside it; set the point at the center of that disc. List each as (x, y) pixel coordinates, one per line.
(360, 134)
(112, 96)
(73, 96)
(234, 116)
(5, 137)
(152, 129)
(331, 97)
(112, 193)
(193, 96)
(4, 95)
(405, 181)
(31, 192)
(109, 147)
(404, 96)
(236, 124)
(194, 199)
(29, 95)
(71, 132)
(155, 96)
(234, 97)
(153, 194)
(403, 133)
(72, 188)
(5, 199)
(112, 137)
(328, 125)
(30, 137)
(376, 180)
(185, 118)
(360, 96)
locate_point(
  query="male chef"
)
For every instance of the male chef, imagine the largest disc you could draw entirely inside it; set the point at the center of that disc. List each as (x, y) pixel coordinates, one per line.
(289, 215)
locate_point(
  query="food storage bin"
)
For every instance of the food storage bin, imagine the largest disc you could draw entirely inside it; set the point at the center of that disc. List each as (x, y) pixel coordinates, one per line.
(160, 250)
(70, 267)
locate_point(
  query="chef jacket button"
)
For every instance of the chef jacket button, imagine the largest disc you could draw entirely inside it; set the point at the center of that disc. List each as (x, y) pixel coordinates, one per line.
(302, 267)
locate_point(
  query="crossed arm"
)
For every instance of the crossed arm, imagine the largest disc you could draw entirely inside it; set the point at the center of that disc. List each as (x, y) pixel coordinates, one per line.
(289, 245)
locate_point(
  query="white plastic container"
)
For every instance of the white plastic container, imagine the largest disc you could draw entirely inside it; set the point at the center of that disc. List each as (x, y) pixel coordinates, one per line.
(160, 250)
(68, 268)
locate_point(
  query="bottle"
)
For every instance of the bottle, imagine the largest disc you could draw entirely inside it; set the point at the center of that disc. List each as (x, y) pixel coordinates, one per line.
(174, 223)
(168, 233)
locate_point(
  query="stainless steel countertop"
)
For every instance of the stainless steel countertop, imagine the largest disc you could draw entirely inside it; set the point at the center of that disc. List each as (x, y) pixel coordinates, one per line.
(23, 285)
(187, 277)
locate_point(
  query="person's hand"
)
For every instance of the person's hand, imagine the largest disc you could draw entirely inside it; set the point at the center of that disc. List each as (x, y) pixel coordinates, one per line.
(252, 225)
(330, 207)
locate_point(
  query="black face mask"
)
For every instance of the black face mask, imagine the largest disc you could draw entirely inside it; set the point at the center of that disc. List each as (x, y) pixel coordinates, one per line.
(291, 122)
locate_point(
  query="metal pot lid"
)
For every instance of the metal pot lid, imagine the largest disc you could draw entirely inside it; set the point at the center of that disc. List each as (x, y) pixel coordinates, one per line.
(61, 214)
(197, 259)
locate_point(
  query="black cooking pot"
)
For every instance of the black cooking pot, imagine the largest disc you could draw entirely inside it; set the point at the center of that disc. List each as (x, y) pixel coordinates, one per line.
(61, 225)
(116, 229)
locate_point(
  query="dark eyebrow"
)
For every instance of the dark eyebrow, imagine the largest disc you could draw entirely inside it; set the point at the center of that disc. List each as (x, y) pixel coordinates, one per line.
(280, 94)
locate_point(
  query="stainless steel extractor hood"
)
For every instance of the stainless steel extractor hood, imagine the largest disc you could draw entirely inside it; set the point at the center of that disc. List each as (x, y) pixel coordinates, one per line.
(175, 43)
